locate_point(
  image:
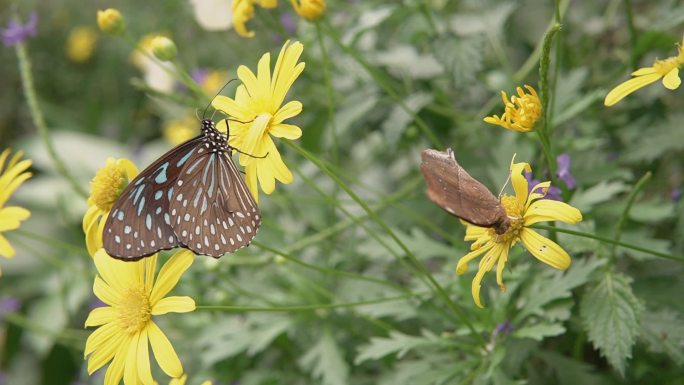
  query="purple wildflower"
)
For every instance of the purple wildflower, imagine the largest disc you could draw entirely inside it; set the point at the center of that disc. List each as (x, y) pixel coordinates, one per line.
(502, 328)
(553, 193)
(676, 194)
(16, 33)
(563, 173)
(199, 75)
(289, 22)
(8, 305)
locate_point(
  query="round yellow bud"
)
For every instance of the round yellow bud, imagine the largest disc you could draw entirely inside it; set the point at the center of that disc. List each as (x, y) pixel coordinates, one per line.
(164, 48)
(311, 10)
(110, 21)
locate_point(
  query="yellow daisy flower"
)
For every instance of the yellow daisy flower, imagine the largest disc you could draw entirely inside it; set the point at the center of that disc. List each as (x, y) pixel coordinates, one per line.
(105, 189)
(243, 11)
(258, 115)
(126, 329)
(309, 9)
(183, 379)
(667, 69)
(12, 174)
(521, 113)
(523, 209)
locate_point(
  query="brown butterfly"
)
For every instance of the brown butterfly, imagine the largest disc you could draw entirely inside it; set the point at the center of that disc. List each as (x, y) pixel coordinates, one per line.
(454, 190)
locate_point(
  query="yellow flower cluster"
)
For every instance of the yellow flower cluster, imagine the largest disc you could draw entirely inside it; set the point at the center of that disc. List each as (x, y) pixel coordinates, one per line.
(243, 11)
(13, 172)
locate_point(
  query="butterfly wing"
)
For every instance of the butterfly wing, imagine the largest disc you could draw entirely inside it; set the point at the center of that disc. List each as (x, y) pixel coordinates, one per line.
(139, 223)
(213, 212)
(453, 189)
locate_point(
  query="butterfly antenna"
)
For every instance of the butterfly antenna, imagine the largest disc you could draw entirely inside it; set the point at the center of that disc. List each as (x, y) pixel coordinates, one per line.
(253, 156)
(197, 113)
(504, 186)
(204, 114)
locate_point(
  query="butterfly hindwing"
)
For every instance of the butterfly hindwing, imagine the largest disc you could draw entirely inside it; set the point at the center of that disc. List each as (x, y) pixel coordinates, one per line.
(213, 212)
(453, 189)
(139, 223)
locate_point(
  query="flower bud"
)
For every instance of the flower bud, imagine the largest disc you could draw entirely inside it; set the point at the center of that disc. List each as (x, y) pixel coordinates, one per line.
(311, 10)
(164, 48)
(110, 21)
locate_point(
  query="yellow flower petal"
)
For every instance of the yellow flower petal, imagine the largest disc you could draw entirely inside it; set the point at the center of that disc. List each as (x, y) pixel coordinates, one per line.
(170, 273)
(253, 139)
(116, 368)
(101, 336)
(626, 88)
(545, 249)
(249, 81)
(644, 71)
(10, 217)
(286, 70)
(287, 131)
(103, 352)
(91, 215)
(671, 81)
(119, 275)
(263, 84)
(503, 258)
(276, 164)
(545, 210)
(163, 352)
(520, 185)
(229, 107)
(104, 292)
(6, 250)
(131, 367)
(143, 358)
(100, 316)
(486, 264)
(289, 110)
(174, 304)
(251, 181)
(462, 265)
(474, 232)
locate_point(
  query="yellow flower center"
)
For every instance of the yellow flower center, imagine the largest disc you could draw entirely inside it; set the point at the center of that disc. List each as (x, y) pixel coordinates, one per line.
(524, 111)
(107, 185)
(515, 214)
(663, 67)
(135, 311)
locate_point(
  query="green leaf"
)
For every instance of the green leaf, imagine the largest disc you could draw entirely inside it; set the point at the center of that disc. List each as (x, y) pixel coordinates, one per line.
(397, 343)
(461, 57)
(556, 285)
(663, 332)
(610, 313)
(395, 124)
(569, 371)
(601, 192)
(655, 141)
(540, 331)
(652, 211)
(326, 362)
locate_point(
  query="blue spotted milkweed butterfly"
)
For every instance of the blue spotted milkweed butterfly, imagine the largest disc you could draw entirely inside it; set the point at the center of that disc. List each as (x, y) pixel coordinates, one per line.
(192, 197)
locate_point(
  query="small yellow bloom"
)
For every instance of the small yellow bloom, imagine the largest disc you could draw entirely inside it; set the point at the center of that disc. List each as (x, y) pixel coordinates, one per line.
(524, 209)
(158, 75)
(309, 9)
(105, 189)
(81, 44)
(12, 174)
(213, 81)
(181, 130)
(110, 21)
(243, 11)
(126, 329)
(258, 115)
(520, 113)
(164, 48)
(667, 69)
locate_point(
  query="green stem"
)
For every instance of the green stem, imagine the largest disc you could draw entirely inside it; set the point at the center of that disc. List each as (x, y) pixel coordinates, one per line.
(228, 308)
(632, 33)
(625, 212)
(610, 241)
(329, 92)
(39, 120)
(436, 287)
(384, 83)
(543, 131)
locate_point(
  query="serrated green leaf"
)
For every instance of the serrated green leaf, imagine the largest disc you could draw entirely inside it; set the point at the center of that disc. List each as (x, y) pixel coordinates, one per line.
(540, 331)
(663, 332)
(610, 313)
(326, 361)
(557, 285)
(570, 371)
(461, 58)
(397, 343)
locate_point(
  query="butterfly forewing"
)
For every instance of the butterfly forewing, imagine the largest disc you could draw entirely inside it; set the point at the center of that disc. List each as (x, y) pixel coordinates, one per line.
(213, 212)
(139, 223)
(453, 189)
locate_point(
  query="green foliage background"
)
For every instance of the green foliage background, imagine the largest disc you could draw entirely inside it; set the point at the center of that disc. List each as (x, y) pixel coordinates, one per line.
(615, 316)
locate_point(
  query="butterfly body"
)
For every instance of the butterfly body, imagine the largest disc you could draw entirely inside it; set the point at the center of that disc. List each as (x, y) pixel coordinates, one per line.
(453, 189)
(193, 196)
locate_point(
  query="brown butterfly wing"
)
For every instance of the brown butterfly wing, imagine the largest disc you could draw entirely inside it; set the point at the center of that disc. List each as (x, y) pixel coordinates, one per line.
(453, 189)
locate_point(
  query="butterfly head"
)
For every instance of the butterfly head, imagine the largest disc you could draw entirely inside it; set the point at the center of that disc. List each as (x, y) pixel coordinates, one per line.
(214, 140)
